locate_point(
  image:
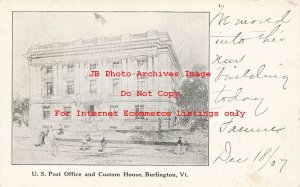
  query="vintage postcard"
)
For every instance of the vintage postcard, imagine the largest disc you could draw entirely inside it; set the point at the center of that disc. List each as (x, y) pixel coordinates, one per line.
(151, 93)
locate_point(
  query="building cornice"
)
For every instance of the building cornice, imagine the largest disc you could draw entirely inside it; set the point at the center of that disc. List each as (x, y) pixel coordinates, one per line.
(105, 47)
(104, 44)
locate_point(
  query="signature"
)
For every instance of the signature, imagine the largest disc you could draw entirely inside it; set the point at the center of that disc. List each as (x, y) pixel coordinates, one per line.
(229, 128)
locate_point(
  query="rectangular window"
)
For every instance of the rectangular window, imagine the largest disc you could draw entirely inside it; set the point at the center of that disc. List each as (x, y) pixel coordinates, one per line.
(139, 108)
(114, 108)
(49, 69)
(93, 66)
(92, 108)
(113, 127)
(93, 86)
(116, 65)
(70, 68)
(67, 109)
(46, 112)
(70, 87)
(141, 83)
(142, 63)
(49, 88)
(116, 86)
(138, 127)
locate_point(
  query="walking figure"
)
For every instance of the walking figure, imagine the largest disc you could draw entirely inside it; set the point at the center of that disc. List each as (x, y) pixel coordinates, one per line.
(53, 136)
(103, 143)
(60, 130)
(85, 142)
(179, 146)
(42, 137)
(185, 146)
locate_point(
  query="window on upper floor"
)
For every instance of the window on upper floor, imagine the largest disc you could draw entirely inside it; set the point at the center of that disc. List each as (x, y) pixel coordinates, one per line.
(139, 108)
(49, 69)
(70, 87)
(49, 88)
(116, 65)
(142, 63)
(116, 86)
(93, 86)
(70, 67)
(141, 83)
(113, 108)
(93, 66)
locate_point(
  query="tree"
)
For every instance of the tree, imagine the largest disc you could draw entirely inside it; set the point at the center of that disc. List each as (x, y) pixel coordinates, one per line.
(20, 110)
(194, 97)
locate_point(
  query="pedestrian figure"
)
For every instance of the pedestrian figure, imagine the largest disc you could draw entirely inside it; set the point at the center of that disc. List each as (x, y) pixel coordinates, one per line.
(53, 136)
(103, 143)
(85, 141)
(42, 137)
(60, 130)
(185, 146)
(179, 146)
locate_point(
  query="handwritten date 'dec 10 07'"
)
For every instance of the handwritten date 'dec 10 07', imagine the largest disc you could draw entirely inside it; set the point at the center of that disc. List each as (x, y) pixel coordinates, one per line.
(265, 157)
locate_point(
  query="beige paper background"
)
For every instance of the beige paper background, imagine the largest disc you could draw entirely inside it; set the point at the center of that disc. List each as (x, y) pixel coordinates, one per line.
(284, 105)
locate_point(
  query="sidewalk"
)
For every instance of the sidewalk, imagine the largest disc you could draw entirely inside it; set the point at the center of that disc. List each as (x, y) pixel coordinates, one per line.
(117, 152)
(114, 154)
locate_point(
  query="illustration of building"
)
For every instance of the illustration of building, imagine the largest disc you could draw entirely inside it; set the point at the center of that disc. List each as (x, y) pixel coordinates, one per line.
(59, 80)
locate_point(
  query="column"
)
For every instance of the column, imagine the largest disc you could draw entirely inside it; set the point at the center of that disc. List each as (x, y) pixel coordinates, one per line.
(156, 68)
(63, 80)
(123, 80)
(107, 89)
(41, 83)
(150, 68)
(55, 78)
(132, 82)
(81, 74)
(77, 78)
(33, 71)
(101, 81)
(59, 80)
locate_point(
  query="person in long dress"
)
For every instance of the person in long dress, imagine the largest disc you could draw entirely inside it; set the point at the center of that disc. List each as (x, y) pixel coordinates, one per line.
(85, 142)
(42, 137)
(53, 141)
(179, 146)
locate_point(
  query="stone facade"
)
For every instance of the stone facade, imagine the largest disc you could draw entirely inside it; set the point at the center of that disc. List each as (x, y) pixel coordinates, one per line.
(59, 80)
